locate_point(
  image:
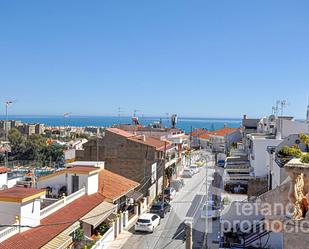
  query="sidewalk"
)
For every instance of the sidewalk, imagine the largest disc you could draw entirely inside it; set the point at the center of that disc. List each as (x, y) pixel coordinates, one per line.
(122, 238)
(120, 241)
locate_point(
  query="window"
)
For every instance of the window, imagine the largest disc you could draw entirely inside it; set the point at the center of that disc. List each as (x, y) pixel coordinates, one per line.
(154, 217)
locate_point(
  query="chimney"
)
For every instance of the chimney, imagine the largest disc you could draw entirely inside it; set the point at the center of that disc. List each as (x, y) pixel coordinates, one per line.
(245, 116)
(143, 138)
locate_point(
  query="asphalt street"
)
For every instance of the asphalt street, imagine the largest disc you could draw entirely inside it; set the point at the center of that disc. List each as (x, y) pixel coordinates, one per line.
(186, 205)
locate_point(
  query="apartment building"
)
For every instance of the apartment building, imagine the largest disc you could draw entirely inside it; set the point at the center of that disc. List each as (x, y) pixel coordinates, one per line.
(141, 158)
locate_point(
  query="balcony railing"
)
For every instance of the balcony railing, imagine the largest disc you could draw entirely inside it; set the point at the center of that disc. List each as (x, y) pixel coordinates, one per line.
(62, 202)
(106, 239)
(8, 232)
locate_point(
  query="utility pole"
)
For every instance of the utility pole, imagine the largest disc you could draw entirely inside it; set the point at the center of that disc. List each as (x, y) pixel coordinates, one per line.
(189, 235)
(7, 104)
(97, 148)
(163, 171)
(206, 220)
(190, 145)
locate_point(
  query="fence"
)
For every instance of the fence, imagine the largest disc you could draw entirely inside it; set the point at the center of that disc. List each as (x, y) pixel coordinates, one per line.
(107, 238)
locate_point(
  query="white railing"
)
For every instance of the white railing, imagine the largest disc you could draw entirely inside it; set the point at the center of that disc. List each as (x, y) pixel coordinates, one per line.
(106, 239)
(8, 232)
(61, 203)
(76, 195)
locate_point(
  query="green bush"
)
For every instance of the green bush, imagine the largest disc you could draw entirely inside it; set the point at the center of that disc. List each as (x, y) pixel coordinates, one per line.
(291, 151)
(79, 234)
(305, 158)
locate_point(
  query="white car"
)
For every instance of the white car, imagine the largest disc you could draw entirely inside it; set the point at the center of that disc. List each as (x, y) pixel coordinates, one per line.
(188, 173)
(208, 211)
(147, 222)
(195, 169)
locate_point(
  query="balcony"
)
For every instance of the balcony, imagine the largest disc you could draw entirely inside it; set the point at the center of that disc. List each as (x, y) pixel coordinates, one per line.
(54, 206)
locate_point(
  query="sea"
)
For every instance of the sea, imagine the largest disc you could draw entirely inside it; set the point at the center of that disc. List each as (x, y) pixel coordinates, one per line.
(184, 123)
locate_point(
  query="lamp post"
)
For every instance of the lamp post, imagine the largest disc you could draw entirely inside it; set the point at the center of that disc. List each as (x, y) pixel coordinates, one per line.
(7, 104)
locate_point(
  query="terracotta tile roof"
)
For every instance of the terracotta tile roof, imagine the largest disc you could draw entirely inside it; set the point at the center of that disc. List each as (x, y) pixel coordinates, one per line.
(151, 141)
(3, 170)
(76, 169)
(20, 194)
(63, 218)
(221, 132)
(147, 140)
(204, 136)
(198, 132)
(120, 132)
(82, 169)
(113, 186)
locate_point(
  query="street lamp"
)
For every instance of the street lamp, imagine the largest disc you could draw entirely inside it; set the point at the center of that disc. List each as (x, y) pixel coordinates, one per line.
(7, 104)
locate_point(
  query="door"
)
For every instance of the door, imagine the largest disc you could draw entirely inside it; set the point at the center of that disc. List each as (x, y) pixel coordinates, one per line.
(75, 183)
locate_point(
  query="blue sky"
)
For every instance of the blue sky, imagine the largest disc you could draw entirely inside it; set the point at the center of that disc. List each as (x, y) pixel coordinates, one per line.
(208, 58)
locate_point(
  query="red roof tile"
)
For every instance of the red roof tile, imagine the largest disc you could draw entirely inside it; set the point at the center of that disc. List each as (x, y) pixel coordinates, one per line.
(113, 186)
(82, 169)
(3, 170)
(20, 194)
(221, 132)
(53, 224)
(151, 141)
(198, 132)
(120, 132)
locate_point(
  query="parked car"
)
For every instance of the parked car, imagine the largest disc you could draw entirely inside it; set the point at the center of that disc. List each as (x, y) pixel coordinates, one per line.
(210, 211)
(221, 163)
(160, 208)
(187, 173)
(147, 222)
(195, 169)
(169, 193)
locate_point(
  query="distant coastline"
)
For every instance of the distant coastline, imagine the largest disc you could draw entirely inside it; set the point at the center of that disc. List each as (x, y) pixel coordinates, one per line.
(184, 123)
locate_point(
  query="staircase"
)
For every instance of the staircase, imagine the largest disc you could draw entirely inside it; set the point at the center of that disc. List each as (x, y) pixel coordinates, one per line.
(252, 234)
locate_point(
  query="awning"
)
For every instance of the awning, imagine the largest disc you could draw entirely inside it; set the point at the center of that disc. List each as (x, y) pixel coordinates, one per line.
(97, 215)
(135, 195)
(62, 241)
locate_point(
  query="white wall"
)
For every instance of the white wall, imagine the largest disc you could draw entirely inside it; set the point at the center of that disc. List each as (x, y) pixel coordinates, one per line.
(288, 127)
(30, 213)
(3, 179)
(12, 182)
(260, 159)
(93, 184)
(55, 182)
(8, 212)
(83, 181)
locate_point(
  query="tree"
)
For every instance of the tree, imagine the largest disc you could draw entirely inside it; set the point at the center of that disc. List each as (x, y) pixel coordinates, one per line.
(17, 143)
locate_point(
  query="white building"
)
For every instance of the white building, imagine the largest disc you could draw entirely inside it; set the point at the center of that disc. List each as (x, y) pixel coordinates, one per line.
(91, 196)
(258, 155)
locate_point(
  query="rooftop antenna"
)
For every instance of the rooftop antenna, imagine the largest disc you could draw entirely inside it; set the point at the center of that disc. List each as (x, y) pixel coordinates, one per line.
(135, 118)
(307, 118)
(167, 118)
(65, 116)
(283, 104)
(120, 110)
(273, 110)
